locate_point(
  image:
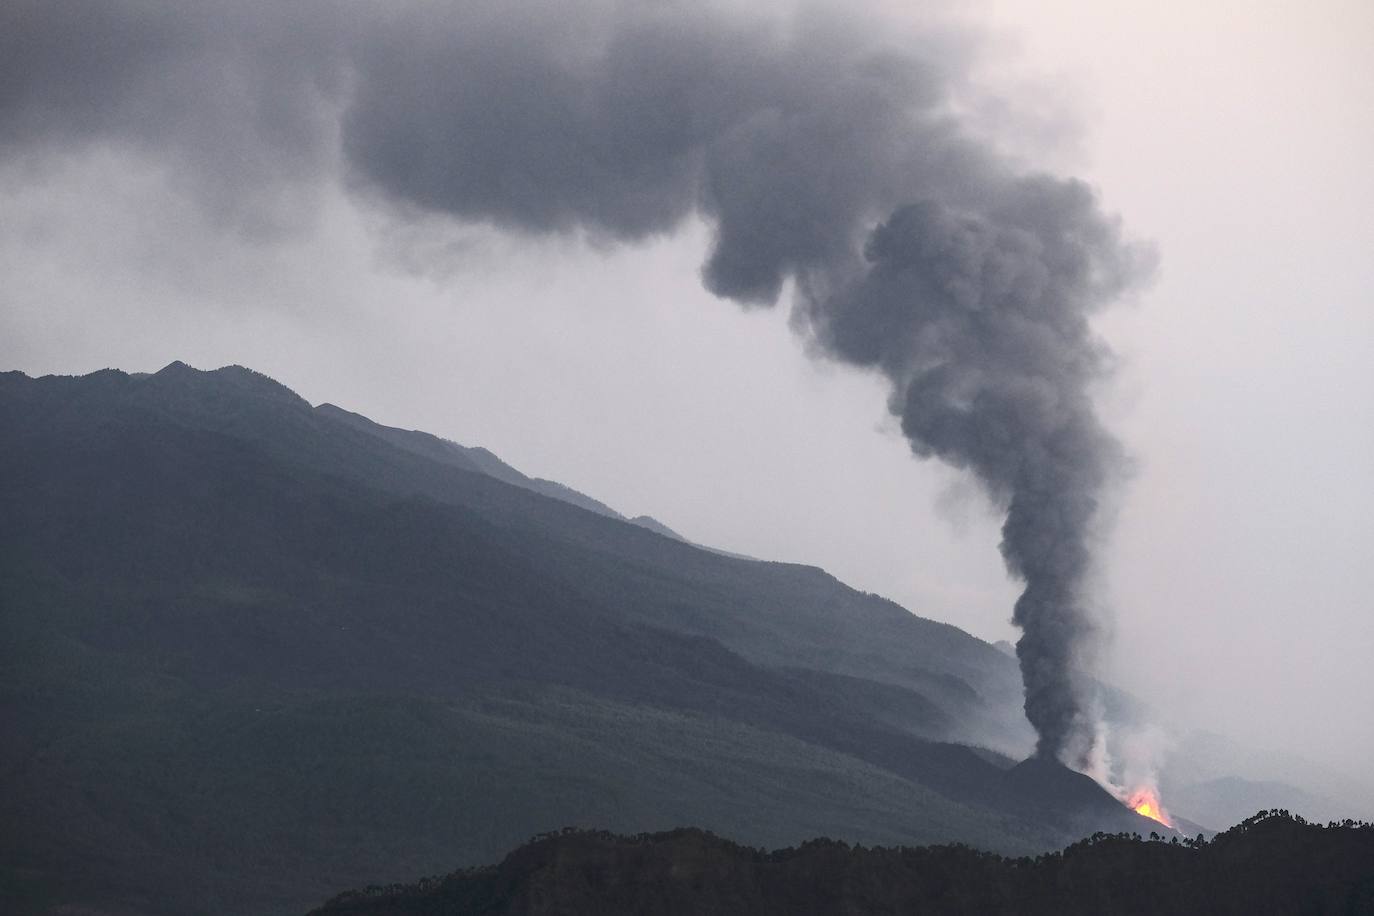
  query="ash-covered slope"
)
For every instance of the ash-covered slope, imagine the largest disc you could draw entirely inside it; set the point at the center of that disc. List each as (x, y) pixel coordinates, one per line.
(252, 651)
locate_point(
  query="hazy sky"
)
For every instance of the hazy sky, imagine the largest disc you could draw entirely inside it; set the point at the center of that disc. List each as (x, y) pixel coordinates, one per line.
(1236, 136)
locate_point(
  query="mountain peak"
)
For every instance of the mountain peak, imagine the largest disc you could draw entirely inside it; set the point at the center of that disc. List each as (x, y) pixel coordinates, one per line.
(240, 377)
(175, 368)
(256, 381)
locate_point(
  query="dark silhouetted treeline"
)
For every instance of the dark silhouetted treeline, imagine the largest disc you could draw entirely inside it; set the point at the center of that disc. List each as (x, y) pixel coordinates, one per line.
(1270, 863)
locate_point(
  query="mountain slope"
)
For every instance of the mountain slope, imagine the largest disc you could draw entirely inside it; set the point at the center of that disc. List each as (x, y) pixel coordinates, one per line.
(252, 650)
(472, 459)
(797, 615)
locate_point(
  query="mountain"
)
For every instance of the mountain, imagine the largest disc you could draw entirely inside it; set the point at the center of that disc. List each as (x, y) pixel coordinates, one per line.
(253, 651)
(480, 460)
(1270, 864)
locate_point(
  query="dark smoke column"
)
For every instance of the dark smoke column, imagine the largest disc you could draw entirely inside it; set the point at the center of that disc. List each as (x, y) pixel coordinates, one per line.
(979, 321)
(821, 154)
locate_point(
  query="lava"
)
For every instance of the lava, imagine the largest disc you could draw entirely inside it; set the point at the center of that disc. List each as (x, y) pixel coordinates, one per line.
(1145, 801)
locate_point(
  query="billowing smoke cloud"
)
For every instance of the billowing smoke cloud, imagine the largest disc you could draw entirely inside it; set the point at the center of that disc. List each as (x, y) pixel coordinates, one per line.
(979, 321)
(237, 102)
(822, 153)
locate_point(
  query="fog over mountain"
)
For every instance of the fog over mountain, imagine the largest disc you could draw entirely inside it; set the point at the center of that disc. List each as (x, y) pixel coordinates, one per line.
(247, 183)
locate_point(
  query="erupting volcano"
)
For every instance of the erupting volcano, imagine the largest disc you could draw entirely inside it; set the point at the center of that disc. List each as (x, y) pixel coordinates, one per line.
(1145, 801)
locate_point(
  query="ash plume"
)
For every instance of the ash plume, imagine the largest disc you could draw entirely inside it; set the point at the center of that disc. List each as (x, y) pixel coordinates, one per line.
(821, 153)
(979, 322)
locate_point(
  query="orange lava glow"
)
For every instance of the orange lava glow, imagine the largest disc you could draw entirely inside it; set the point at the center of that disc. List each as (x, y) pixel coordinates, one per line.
(1146, 801)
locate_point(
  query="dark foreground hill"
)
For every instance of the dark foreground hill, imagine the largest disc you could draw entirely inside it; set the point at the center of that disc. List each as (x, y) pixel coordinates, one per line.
(253, 651)
(1270, 864)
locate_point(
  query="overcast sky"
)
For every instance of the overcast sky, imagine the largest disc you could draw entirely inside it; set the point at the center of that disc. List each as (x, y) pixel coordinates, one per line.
(1237, 137)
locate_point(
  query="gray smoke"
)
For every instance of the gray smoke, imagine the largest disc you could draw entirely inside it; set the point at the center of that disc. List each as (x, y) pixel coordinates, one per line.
(979, 321)
(821, 153)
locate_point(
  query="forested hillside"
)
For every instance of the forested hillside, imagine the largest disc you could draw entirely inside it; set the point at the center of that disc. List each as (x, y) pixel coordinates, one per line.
(1270, 864)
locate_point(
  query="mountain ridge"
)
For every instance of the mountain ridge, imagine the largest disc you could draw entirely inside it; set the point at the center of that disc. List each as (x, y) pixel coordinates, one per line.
(234, 622)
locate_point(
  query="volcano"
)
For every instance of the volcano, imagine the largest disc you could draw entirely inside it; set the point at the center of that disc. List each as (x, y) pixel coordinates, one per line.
(1073, 800)
(391, 655)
